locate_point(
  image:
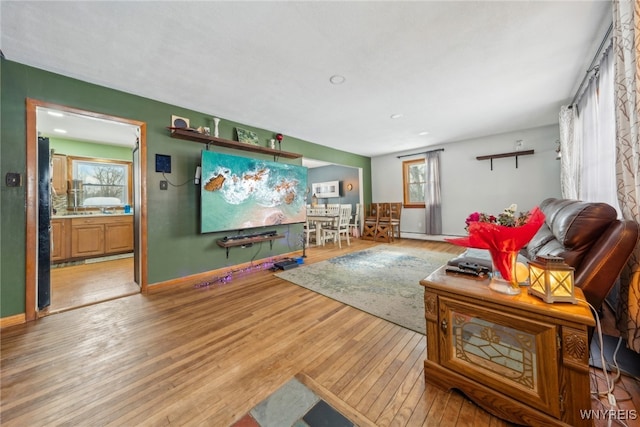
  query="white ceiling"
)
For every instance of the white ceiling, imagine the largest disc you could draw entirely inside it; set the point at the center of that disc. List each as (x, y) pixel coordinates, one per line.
(455, 69)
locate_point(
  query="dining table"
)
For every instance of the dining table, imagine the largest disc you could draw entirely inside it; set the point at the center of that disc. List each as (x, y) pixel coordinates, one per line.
(319, 218)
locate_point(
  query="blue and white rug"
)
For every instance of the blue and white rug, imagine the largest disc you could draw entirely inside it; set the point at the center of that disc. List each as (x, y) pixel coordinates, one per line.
(383, 281)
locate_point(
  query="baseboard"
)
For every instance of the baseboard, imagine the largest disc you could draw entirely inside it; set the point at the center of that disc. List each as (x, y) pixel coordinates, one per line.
(16, 319)
(422, 236)
(195, 279)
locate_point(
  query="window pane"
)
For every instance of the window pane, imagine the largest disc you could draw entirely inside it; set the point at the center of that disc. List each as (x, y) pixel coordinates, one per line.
(106, 181)
(416, 193)
(416, 173)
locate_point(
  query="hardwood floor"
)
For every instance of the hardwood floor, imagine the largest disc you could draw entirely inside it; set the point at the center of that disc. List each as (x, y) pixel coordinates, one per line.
(190, 355)
(85, 284)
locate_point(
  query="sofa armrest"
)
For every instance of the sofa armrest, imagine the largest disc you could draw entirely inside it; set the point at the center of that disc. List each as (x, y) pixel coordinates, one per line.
(602, 265)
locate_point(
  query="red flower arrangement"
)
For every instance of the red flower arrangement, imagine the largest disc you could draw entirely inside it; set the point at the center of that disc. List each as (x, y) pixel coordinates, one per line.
(503, 236)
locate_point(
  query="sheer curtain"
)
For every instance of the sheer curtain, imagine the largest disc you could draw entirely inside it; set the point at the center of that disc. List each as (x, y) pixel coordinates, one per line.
(432, 199)
(571, 155)
(595, 135)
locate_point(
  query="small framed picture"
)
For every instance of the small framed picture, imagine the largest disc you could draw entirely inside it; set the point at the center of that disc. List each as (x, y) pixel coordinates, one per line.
(247, 136)
(179, 122)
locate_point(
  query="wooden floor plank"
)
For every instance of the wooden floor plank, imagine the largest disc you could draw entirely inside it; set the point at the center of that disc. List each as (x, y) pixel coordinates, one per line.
(189, 355)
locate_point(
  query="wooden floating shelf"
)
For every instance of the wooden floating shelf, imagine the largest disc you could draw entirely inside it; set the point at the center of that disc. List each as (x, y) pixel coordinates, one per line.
(220, 142)
(511, 154)
(247, 241)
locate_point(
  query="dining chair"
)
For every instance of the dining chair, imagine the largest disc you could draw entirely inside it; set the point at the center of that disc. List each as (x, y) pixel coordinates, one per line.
(354, 226)
(370, 223)
(384, 228)
(309, 229)
(395, 214)
(334, 231)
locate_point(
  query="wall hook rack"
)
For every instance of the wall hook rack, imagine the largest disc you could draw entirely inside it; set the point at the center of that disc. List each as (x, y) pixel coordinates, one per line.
(499, 156)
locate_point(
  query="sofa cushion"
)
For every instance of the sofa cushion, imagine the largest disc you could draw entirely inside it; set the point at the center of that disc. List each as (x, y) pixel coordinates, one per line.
(571, 228)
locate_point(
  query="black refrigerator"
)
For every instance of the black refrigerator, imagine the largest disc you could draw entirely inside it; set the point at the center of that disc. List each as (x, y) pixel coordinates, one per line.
(44, 223)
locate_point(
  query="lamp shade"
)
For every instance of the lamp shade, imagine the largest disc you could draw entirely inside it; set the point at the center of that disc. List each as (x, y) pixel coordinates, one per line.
(551, 279)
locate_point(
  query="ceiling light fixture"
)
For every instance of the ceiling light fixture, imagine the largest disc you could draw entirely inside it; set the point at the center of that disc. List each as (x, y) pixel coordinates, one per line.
(423, 133)
(396, 116)
(60, 130)
(337, 79)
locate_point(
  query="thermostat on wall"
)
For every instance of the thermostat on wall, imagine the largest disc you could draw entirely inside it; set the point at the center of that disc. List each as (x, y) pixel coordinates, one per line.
(163, 163)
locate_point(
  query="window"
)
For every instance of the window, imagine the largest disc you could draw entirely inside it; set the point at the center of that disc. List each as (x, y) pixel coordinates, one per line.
(99, 182)
(413, 182)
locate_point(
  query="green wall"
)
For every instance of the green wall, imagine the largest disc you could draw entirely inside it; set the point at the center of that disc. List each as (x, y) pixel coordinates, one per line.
(72, 147)
(175, 246)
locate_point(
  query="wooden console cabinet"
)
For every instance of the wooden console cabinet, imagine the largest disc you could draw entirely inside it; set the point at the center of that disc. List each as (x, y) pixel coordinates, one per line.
(518, 357)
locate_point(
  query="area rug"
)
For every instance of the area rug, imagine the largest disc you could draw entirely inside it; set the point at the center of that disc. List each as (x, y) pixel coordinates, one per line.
(382, 280)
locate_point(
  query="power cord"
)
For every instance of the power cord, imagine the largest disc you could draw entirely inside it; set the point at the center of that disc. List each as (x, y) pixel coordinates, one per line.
(177, 185)
(611, 399)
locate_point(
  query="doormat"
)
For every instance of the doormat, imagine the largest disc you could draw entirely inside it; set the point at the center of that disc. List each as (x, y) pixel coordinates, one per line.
(291, 405)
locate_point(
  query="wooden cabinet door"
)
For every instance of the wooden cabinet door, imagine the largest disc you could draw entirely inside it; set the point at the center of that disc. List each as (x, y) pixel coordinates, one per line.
(118, 235)
(87, 238)
(514, 355)
(58, 240)
(59, 175)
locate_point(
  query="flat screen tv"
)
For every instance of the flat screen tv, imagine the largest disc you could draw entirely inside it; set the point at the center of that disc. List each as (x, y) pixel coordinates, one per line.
(238, 193)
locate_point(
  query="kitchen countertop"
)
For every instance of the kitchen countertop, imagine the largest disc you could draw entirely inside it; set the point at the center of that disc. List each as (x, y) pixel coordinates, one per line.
(92, 215)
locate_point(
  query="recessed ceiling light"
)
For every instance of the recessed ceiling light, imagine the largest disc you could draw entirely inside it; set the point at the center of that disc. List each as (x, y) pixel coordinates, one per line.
(60, 130)
(337, 79)
(55, 114)
(423, 133)
(396, 116)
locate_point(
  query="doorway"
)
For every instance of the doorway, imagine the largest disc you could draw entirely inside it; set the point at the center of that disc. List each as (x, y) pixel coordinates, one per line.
(84, 278)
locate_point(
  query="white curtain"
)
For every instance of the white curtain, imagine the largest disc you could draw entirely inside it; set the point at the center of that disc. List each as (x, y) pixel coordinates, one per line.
(432, 198)
(571, 155)
(595, 135)
(626, 37)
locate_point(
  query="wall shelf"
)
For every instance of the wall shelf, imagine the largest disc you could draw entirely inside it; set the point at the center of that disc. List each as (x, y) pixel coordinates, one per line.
(220, 142)
(247, 241)
(511, 154)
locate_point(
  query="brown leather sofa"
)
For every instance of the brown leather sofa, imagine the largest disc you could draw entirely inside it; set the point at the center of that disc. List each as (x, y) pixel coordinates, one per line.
(590, 238)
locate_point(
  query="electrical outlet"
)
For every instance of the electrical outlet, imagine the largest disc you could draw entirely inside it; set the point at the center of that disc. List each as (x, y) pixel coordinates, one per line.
(163, 185)
(13, 179)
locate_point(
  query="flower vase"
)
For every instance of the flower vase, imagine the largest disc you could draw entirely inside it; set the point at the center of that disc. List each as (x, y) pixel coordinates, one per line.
(216, 122)
(503, 277)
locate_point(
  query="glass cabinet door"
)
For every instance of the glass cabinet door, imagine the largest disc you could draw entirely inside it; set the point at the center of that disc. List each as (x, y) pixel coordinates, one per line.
(516, 357)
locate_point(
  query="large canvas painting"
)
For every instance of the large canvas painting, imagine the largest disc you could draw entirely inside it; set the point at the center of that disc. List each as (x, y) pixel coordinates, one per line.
(240, 193)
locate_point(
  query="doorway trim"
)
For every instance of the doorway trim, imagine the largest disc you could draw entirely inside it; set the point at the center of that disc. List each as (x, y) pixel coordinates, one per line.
(31, 184)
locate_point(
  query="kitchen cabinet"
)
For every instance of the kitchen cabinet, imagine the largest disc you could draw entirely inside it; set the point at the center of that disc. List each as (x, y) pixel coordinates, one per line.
(118, 234)
(101, 235)
(59, 174)
(60, 239)
(87, 237)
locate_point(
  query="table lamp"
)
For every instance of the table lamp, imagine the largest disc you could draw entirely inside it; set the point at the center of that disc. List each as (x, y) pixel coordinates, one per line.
(551, 279)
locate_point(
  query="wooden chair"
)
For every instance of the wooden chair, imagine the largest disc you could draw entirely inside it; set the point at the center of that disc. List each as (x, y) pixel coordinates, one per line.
(308, 231)
(384, 228)
(339, 228)
(354, 226)
(370, 223)
(395, 213)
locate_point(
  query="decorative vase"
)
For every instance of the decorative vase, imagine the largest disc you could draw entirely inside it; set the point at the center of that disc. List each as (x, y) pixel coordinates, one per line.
(216, 121)
(503, 276)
